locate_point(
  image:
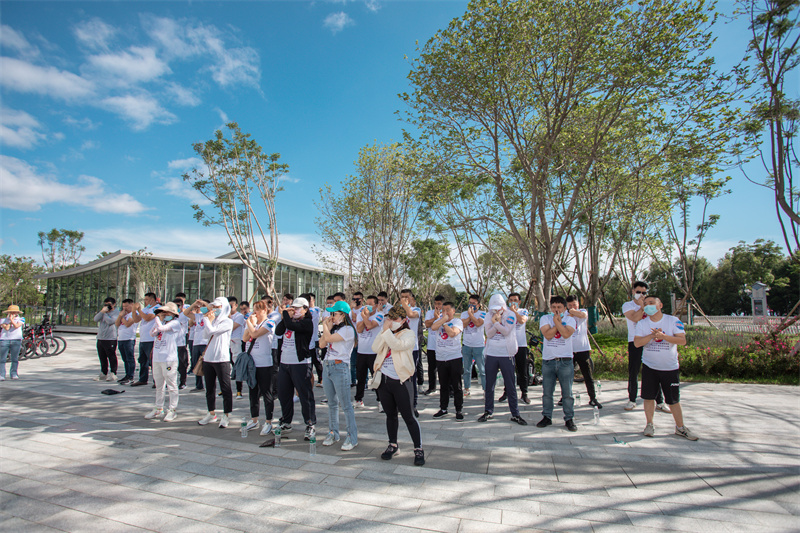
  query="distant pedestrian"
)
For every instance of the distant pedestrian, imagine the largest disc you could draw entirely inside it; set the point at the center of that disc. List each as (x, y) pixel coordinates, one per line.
(145, 316)
(106, 320)
(10, 340)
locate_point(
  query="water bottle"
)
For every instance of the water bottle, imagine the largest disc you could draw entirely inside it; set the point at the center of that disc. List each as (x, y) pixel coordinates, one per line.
(578, 400)
(596, 416)
(312, 444)
(277, 434)
(599, 387)
(244, 430)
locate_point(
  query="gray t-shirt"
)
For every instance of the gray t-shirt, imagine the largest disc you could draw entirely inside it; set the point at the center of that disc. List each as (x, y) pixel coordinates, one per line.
(106, 325)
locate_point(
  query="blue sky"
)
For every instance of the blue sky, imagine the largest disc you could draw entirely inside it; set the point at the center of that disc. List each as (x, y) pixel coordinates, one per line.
(101, 102)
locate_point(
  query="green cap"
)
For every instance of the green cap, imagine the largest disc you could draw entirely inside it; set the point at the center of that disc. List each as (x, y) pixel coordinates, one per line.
(339, 306)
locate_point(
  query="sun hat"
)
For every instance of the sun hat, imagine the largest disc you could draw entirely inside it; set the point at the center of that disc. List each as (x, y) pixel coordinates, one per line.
(168, 307)
(300, 302)
(340, 306)
(13, 309)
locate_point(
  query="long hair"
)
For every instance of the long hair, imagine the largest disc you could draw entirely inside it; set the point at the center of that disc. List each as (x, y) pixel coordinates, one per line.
(343, 323)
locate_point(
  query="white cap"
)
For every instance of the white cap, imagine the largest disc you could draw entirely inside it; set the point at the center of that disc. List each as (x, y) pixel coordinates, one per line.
(300, 302)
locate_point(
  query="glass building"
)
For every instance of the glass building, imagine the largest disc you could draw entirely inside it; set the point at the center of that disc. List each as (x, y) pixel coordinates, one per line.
(75, 295)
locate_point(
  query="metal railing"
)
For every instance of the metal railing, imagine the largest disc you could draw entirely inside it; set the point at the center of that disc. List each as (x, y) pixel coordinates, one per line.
(744, 324)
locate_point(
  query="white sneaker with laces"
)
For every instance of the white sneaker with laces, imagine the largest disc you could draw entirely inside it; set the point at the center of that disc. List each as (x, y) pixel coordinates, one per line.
(266, 429)
(330, 439)
(154, 413)
(630, 406)
(170, 416)
(686, 433)
(348, 445)
(223, 421)
(14, 376)
(101, 377)
(296, 399)
(111, 377)
(359, 404)
(663, 408)
(207, 419)
(251, 425)
(649, 430)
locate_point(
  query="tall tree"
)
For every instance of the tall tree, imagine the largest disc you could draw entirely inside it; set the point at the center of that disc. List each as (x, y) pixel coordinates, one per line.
(426, 265)
(239, 179)
(18, 284)
(61, 248)
(149, 275)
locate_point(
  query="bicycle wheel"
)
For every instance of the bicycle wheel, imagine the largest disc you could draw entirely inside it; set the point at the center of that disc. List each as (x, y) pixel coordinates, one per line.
(52, 345)
(39, 348)
(25, 349)
(61, 344)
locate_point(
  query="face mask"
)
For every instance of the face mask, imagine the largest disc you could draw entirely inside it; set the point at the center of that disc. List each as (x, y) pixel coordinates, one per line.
(217, 312)
(203, 310)
(395, 325)
(298, 313)
(637, 296)
(369, 308)
(650, 309)
(167, 318)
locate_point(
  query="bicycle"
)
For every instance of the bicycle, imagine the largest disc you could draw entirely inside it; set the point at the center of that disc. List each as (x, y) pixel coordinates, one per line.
(32, 344)
(55, 343)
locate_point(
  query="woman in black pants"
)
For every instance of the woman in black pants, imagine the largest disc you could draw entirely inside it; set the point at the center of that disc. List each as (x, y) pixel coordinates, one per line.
(217, 360)
(258, 335)
(395, 360)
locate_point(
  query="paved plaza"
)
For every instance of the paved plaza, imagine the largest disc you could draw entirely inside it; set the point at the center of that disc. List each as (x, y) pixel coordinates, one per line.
(72, 459)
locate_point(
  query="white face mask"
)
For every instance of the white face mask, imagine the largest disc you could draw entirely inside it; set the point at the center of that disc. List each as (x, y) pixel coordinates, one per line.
(637, 296)
(395, 325)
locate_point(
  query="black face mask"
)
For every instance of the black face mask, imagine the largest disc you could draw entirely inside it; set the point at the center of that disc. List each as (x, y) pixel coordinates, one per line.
(357, 301)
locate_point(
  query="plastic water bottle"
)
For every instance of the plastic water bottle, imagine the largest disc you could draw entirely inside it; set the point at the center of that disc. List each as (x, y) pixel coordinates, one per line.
(244, 430)
(277, 433)
(598, 387)
(595, 415)
(578, 400)
(312, 444)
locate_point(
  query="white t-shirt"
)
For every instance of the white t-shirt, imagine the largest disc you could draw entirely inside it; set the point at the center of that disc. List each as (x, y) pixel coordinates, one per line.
(201, 336)
(558, 346)
(431, 334)
(580, 339)
(496, 345)
(276, 318)
(289, 350)
(165, 345)
(238, 333)
(13, 334)
(519, 329)
(387, 367)
(183, 320)
(660, 355)
(342, 349)
(447, 347)
(146, 326)
(125, 333)
(315, 332)
(262, 346)
(632, 306)
(413, 323)
(367, 337)
(473, 335)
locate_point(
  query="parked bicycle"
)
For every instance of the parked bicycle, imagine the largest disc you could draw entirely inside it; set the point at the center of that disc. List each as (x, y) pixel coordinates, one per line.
(38, 340)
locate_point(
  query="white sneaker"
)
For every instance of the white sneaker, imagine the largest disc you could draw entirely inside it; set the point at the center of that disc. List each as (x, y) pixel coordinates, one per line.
(111, 377)
(223, 421)
(207, 419)
(154, 413)
(170, 416)
(686, 433)
(348, 445)
(266, 429)
(101, 377)
(359, 404)
(251, 425)
(296, 399)
(330, 439)
(630, 406)
(663, 408)
(2, 378)
(14, 376)
(649, 430)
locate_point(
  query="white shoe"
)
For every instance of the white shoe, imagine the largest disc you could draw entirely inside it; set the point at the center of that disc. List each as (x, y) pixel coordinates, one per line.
(251, 425)
(266, 429)
(14, 376)
(207, 419)
(154, 413)
(630, 406)
(296, 399)
(358, 404)
(330, 439)
(2, 378)
(663, 408)
(223, 421)
(101, 377)
(111, 377)
(170, 416)
(649, 430)
(347, 446)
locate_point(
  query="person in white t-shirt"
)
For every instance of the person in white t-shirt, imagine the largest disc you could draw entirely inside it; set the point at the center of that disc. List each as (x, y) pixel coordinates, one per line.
(414, 314)
(10, 340)
(634, 312)
(338, 338)
(217, 326)
(127, 327)
(368, 327)
(145, 316)
(473, 342)
(431, 316)
(236, 337)
(659, 336)
(449, 364)
(165, 332)
(557, 363)
(196, 314)
(323, 314)
(581, 349)
(183, 348)
(355, 310)
(258, 336)
(383, 302)
(521, 357)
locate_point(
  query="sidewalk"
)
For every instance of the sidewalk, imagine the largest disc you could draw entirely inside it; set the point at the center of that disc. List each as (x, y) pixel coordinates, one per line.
(72, 459)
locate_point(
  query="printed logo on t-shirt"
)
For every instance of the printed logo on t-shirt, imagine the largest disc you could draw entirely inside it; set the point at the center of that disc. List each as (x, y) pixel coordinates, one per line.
(679, 325)
(288, 334)
(472, 324)
(510, 320)
(444, 335)
(557, 335)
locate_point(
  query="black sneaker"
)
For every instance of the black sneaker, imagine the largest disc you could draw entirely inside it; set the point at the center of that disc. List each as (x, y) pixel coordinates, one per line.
(428, 392)
(310, 432)
(416, 413)
(459, 416)
(419, 457)
(196, 389)
(525, 399)
(502, 398)
(154, 385)
(138, 383)
(285, 428)
(544, 422)
(571, 425)
(485, 416)
(519, 420)
(125, 381)
(440, 413)
(594, 403)
(182, 387)
(389, 453)
(560, 402)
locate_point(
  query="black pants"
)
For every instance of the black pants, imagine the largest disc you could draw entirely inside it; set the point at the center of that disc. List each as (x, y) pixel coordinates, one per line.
(431, 369)
(263, 390)
(420, 372)
(146, 356)
(634, 366)
(276, 365)
(521, 370)
(582, 358)
(197, 351)
(291, 377)
(364, 364)
(239, 384)
(396, 397)
(315, 360)
(222, 372)
(451, 374)
(107, 352)
(183, 365)
(414, 384)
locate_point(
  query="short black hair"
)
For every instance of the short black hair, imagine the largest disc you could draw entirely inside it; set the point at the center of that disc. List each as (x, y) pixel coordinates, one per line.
(572, 298)
(383, 294)
(342, 296)
(110, 300)
(358, 293)
(181, 295)
(127, 301)
(641, 284)
(439, 298)
(514, 294)
(233, 299)
(311, 295)
(288, 296)
(245, 302)
(372, 297)
(177, 301)
(151, 295)
(407, 291)
(449, 304)
(474, 297)
(558, 300)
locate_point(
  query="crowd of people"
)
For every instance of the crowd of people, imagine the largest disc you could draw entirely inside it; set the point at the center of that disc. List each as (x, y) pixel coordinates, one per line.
(282, 349)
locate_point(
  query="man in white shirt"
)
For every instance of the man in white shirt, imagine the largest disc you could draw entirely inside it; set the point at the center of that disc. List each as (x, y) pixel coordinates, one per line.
(659, 336)
(181, 340)
(557, 363)
(473, 342)
(414, 315)
(634, 312)
(355, 310)
(449, 364)
(383, 302)
(368, 327)
(236, 336)
(126, 339)
(431, 316)
(581, 349)
(521, 357)
(145, 316)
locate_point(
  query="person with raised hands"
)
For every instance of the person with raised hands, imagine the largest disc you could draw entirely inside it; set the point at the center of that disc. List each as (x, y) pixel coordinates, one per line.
(557, 363)
(474, 342)
(258, 336)
(165, 332)
(368, 325)
(581, 349)
(449, 364)
(196, 314)
(145, 316)
(217, 325)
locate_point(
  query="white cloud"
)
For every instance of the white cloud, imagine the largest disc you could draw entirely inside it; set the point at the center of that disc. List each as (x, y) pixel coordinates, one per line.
(10, 38)
(18, 129)
(140, 110)
(372, 5)
(25, 77)
(179, 188)
(182, 95)
(137, 64)
(288, 178)
(94, 33)
(336, 22)
(22, 188)
(82, 123)
(186, 164)
(88, 145)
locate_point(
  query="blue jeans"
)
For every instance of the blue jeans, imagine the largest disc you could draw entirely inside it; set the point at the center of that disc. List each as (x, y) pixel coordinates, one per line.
(336, 382)
(506, 367)
(469, 354)
(145, 351)
(128, 359)
(9, 348)
(562, 369)
(353, 360)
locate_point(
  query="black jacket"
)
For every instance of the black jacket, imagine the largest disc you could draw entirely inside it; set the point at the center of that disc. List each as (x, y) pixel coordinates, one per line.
(302, 328)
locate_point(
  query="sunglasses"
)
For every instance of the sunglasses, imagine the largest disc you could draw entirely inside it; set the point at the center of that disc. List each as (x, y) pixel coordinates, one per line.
(641, 292)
